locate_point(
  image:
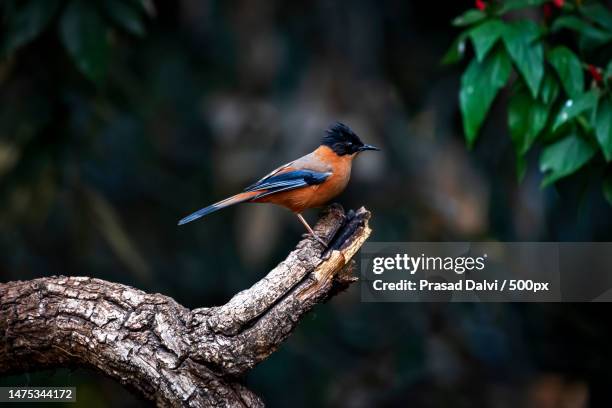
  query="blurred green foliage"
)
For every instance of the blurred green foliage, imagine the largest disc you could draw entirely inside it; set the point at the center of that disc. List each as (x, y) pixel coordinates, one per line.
(552, 102)
(85, 27)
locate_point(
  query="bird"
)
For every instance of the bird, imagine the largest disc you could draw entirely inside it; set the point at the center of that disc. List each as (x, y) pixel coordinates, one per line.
(308, 182)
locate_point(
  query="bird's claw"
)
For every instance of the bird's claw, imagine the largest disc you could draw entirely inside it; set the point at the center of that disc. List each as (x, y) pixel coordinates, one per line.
(321, 241)
(318, 239)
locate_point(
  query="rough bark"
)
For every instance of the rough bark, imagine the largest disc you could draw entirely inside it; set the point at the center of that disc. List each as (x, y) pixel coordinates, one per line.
(167, 353)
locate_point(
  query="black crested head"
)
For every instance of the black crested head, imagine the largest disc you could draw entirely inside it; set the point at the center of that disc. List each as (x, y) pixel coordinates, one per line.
(342, 140)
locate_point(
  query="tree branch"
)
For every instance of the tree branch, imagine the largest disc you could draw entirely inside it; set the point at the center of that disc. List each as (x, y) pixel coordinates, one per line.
(167, 353)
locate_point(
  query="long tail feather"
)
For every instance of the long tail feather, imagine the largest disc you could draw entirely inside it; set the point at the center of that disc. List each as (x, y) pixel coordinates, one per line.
(238, 198)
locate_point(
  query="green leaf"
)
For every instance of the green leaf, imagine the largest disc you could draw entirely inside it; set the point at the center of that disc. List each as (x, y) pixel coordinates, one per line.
(85, 36)
(564, 157)
(550, 89)
(456, 51)
(26, 23)
(593, 35)
(126, 16)
(509, 5)
(526, 52)
(469, 17)
(607, 189)
(574, 107)
(599, 14)
(480, 84)
(485, 35)
(526, 119)
(603, 126)
(579, 25)
(569, 69)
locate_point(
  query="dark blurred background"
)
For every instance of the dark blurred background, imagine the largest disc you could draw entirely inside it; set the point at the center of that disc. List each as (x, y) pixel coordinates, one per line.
(203, 98)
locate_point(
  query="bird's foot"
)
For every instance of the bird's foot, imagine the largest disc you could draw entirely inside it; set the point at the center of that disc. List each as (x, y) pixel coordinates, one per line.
(318, 238)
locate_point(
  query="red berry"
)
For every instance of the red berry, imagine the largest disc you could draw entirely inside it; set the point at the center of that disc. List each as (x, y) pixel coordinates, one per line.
(480, 5)
(595, 73)
(547, 9)
(559, 3)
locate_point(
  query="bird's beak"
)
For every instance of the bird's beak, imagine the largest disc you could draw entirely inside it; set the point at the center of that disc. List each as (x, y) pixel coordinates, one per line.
(368, 147)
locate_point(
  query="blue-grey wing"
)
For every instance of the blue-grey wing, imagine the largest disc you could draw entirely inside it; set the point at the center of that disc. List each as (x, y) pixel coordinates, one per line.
(289, 180)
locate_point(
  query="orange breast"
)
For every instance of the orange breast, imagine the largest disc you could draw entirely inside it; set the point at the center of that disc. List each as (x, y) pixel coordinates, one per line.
(341, 173)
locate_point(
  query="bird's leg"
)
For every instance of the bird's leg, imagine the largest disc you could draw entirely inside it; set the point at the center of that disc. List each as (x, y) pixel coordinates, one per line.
(305, 223)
